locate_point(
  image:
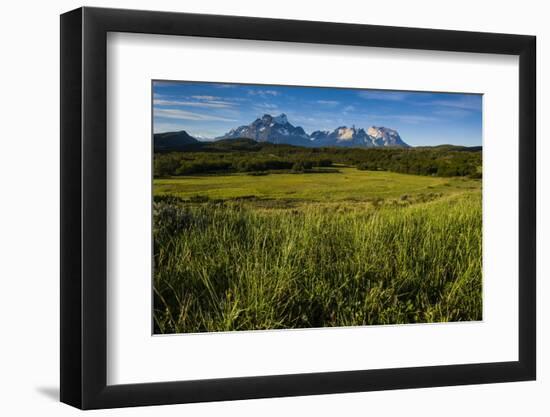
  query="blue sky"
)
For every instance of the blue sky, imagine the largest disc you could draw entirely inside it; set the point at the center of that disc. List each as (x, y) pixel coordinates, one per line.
(211, 109)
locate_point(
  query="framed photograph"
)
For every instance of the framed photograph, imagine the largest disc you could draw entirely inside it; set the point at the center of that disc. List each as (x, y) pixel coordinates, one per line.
(257, 208)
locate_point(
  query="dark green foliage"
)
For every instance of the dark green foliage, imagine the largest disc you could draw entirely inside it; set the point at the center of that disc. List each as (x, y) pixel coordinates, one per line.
(247, 155)
(302, 166)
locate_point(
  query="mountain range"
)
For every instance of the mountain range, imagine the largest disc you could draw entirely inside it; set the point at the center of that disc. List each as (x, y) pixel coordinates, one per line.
(278, 130)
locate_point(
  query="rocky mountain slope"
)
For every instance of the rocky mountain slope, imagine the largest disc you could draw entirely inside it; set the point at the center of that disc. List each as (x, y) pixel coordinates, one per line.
(270, 129)
(279, 130)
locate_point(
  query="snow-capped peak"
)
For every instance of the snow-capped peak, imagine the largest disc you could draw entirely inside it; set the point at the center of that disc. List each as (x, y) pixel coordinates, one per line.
(380, 132)
(345, 133)
(277, 129)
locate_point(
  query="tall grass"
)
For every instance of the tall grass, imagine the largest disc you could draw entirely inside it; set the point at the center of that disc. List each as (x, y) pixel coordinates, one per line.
(230, 266)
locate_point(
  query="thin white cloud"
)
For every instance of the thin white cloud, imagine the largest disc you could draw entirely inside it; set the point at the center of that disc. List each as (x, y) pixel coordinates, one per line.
(313, 123)
(263, 93)
(383, 95)
(187, 115)
(415, 119)
(213, 104)
(266, 107)
(405, 118)
(206, 98)
(453, 112)
(225, 85)
(328, 102)
(161, 84)
(462, 102)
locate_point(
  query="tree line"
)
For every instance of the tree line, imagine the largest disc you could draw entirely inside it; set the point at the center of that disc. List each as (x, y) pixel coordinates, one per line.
(245, 155)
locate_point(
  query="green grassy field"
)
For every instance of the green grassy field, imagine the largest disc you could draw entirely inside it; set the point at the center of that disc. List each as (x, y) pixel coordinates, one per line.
(341, 248)
(330, 184)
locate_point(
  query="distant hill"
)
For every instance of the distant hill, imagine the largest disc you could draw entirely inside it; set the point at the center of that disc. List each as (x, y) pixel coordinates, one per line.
(457, 148)
(173, 141)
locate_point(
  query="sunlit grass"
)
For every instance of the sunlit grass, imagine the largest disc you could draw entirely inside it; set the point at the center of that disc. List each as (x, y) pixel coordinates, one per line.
(355, 248)
(346, 184)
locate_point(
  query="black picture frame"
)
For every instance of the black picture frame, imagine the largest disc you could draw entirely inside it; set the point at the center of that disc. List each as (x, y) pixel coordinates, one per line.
(84, 207)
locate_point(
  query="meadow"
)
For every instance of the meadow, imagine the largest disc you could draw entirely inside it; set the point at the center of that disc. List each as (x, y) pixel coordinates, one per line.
(332, 246)
(326, 184)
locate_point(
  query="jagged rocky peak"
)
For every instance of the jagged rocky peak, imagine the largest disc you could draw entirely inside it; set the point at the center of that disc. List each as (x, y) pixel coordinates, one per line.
(277, 129)
(319, 134)
(379, 132)
(345, 133)
(386, 136)
(280, 119)
(268, 128)
(269, 119)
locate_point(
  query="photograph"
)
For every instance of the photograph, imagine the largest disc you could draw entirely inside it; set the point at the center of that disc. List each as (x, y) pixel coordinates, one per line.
(283, 207)
(299, 207)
